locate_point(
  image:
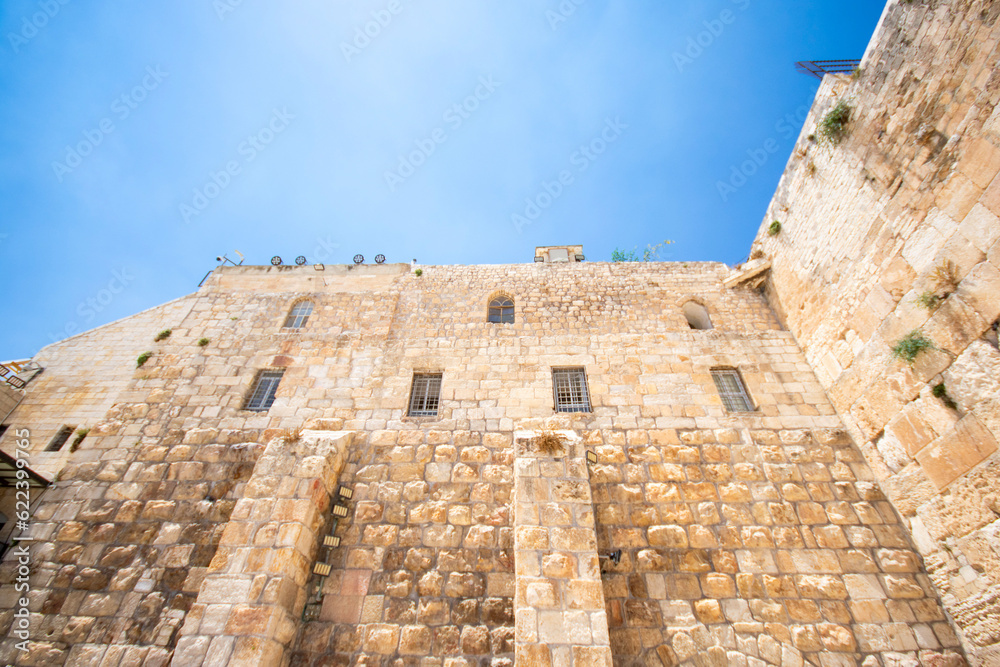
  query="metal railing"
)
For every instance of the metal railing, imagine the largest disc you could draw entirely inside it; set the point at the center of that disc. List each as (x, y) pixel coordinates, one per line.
(818, 68)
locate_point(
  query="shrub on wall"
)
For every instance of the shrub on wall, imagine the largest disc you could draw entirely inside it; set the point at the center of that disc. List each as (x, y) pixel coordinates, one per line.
(833, 127)
(909, 346)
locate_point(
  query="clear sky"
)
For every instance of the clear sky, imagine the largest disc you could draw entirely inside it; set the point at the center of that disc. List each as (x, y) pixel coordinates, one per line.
(139, 140)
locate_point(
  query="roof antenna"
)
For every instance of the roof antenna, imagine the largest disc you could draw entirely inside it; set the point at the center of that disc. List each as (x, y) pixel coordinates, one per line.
(225, 259)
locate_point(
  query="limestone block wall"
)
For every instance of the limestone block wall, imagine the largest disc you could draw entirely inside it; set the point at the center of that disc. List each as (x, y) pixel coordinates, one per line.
(425, 566)
(559, 603)
(122, 548)
(82, 379)
(250, 602)
(162, 501)
(9, 398)
(906, 207)
(753, 546)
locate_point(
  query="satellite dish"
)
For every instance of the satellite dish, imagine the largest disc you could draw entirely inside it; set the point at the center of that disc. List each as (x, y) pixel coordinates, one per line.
(359, 259)
(379, 259)
(276, 261)
(300, 260)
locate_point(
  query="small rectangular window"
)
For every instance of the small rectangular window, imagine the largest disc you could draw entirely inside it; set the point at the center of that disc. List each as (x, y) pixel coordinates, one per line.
(264, 390)
(569, 389)
(425, 396)
(732, 391)
(61, 437)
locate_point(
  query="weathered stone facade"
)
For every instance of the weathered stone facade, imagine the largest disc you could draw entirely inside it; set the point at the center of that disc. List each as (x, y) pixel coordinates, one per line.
(656, 528)
(868, 227)
(186, 526)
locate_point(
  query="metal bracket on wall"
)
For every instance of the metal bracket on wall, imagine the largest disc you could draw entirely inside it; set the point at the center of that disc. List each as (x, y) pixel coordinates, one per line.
(322, 567)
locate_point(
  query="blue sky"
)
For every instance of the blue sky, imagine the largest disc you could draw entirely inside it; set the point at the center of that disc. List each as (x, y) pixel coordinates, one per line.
(140, 140)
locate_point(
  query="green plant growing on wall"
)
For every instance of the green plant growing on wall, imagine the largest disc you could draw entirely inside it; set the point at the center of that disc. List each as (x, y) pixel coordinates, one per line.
(651, 253)
(418, 272)
(833, 128)
(929, 299)
(944, 279)
(774, 229)
(80, 435)
(162, 335)
(202, 342)
(143, 358)
(941, 392)
(909, 346)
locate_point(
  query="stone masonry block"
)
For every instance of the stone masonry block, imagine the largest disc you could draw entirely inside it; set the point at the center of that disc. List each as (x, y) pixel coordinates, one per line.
(956, 452)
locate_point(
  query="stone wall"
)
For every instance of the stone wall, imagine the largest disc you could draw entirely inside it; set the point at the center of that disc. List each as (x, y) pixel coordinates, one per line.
(124, 544)
(752, 547)
(425, 566)
(185, 526)
(9, 398)
(905, 210)
(82, 379)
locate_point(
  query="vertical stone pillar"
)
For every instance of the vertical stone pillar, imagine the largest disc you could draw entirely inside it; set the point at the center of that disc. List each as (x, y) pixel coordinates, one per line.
(559, 602)
(248, 608)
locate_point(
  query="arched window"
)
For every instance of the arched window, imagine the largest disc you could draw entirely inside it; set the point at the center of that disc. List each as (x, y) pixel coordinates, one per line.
(697, 315)
(501, 309)
(299, 315)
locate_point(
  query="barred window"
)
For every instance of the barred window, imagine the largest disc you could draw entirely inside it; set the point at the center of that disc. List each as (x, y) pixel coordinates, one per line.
(61, 437)
(569, 389)
(501, 310)
(425, 395)
(732, 391)
(264, 389)
(299, 315)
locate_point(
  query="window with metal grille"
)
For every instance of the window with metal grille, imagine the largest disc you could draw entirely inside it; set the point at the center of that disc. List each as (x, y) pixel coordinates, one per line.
(61, 437)
(425, 396)
(299, 315)
(569, 389)
(502, 310)
(731, 390)
(264, 389)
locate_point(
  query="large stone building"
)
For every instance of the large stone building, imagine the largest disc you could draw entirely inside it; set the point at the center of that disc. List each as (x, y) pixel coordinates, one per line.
(560, 462)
